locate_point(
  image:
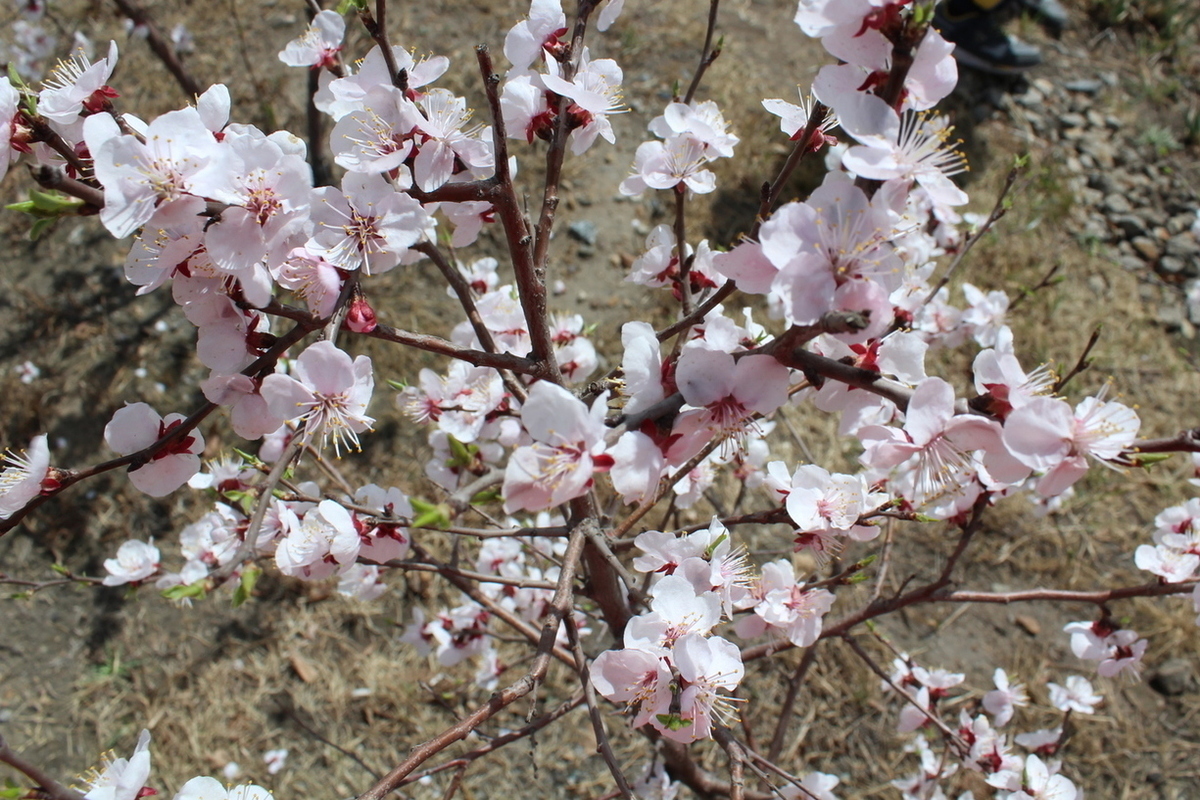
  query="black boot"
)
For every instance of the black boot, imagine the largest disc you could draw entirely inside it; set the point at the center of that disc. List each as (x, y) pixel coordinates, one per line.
(980, 43)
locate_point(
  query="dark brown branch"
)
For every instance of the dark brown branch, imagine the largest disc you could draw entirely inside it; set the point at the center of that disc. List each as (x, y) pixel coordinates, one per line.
(560, 606)
(435, 344)
(161, 47)
(789, 701)
(50, 787)
(998, 211)
(707, 54)
(583, 668)
(500, 741)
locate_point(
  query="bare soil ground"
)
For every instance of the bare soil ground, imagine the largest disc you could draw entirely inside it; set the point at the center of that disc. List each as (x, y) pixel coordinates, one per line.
(81, 671)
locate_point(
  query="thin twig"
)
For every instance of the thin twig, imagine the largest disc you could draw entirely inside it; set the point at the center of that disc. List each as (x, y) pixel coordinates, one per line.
(1080, 365)
(707, 54)
(560, 606)
(49, 786)
(998, 211)
(583, 668)
(162, 47)
(789, 701)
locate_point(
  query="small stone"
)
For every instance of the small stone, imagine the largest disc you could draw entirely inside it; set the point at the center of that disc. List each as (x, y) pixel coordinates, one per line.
(1114, 122)
(1171, 265)
(1102, 181)
(585, 251)
(1180, 223)
(583, 231)
(1095, 118)
(1171, 316)
(1131, 263)
(1183, 245)
(1117, 204)
(1147, 248)
(1028, 624)
(1173, 678)
(1130, 225)
(1031, 98)
(1110, 79)
(1070, 120)
(1084, 85)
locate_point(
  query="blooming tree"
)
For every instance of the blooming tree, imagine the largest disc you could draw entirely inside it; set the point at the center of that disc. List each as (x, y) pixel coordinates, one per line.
(277, 274)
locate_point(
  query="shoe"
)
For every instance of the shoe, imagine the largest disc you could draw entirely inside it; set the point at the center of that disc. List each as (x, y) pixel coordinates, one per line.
(1050, 13)
(979, 43)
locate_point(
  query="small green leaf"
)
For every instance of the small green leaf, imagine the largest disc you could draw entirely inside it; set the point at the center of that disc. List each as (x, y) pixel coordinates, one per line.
(245, 589)
(1144, 460)
(490, 495)
(673, 722)
(351, 5)
(429, 515)
(197, 589)
(60, 569)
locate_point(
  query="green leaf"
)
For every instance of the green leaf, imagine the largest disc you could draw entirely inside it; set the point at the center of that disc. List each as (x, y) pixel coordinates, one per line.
(197, 589)
(490, 495)
(430, 515)
(351, 5)
(1145, 460)
(60, 569)
(673, 722)
(245, 589)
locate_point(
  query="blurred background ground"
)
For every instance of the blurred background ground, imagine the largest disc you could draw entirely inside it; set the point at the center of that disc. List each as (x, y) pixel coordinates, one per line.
(1113, 114)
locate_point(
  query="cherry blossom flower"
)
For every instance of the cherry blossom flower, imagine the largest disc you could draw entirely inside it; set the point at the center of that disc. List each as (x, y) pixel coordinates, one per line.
(1039, 783)
(328, 396)
(707, 665)
(366, 224)
(319, 45)
(137, 426)
(341, 96)
(179, 156)
(1047, 436)
(912, 147)
(673, 164)
(76, 86)
(275, 761)
(568, 450)
(1116, 650)
(120, 778)
(135, 562)
(793, 119)
(10, 100)
(701, 122)
(1003, 701)
(638, 678)
(318, 545)
(1077, 695)
(23, 475)
(813, 786)
(443, 143)
(205, 788)
(596, 92)
(938, 440)
(527, 40)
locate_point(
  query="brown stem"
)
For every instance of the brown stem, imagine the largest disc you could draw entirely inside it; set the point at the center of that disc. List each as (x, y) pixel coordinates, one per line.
(161, 47)
(789, 701)
(998, 211)
(495, 744)
(560, 607)
(707, 55)
(589, 692)
(435, 344)
(48, 786)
